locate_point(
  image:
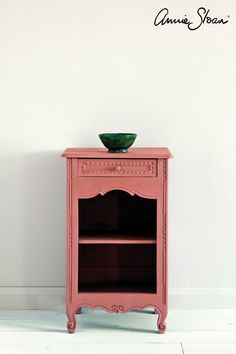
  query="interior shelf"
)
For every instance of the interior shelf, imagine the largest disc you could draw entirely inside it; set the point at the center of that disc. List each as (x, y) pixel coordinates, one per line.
(116, 238)
(119, 288)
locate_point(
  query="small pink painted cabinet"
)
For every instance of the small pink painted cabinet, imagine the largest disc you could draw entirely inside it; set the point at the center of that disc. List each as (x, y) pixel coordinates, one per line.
(116, 231)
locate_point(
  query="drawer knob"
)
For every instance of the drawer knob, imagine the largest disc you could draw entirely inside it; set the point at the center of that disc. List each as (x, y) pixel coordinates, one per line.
(117, 168)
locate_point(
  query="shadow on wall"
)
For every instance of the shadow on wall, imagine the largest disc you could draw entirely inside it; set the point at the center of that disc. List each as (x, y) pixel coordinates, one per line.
(43, 208)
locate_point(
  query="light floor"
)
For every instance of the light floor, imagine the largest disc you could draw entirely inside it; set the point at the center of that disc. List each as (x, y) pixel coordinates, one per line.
(99, 332)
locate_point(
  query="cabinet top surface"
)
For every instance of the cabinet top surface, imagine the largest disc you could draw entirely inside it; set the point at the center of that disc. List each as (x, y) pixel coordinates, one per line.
(144, 152)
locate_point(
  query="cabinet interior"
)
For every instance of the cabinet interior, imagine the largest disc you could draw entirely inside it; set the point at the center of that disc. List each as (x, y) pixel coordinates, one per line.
(117, 243)
(117, 213)
(117, 268)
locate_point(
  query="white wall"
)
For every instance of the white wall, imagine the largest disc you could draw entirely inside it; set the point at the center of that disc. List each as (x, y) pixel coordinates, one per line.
(71, 69)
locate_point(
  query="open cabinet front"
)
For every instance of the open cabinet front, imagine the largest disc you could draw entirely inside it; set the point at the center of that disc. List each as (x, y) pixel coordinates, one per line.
(117, 231)
(117, 243)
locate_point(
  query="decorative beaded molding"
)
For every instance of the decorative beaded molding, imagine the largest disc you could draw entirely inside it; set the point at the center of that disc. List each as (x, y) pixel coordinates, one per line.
(117, 167)
(164, 232)
(164, 168)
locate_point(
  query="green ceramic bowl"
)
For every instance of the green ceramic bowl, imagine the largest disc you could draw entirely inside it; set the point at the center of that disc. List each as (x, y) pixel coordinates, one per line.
(117, 142)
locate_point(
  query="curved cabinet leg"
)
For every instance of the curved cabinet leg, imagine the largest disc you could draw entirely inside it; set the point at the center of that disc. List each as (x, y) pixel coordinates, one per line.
(71, 324)
(155, 311)
(161, 325)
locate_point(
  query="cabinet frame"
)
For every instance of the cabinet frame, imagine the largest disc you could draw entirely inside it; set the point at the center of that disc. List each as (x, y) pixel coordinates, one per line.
(88, 187)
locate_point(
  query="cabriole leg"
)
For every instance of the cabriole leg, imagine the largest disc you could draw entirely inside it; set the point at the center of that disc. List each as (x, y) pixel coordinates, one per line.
(71, 324)
(161, 325)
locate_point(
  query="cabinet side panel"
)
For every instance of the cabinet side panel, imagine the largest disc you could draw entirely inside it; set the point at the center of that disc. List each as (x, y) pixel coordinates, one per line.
(165, 234)
(74, 236)
(69, 231)
(162, 235)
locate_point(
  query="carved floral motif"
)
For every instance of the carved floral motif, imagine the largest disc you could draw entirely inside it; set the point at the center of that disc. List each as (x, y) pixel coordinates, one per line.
(117, 308)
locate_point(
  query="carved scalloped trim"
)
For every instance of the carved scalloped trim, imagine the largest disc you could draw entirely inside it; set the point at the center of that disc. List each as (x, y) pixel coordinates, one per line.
(118, 308)
(129, 191)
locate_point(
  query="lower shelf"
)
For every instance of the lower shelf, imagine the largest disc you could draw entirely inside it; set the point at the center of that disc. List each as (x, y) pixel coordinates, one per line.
(117, 268)
(117, 288)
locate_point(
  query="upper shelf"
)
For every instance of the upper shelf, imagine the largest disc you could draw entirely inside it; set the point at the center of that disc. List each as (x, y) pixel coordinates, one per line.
(133, 153)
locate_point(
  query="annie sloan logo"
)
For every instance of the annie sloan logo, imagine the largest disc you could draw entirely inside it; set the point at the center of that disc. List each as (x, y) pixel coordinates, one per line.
(203, 17)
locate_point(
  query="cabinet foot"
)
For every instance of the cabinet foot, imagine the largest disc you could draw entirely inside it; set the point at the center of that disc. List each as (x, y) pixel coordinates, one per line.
(71, 326)
(161, 327)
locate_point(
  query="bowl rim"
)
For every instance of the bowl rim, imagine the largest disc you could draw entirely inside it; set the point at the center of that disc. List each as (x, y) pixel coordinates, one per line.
(120, 134)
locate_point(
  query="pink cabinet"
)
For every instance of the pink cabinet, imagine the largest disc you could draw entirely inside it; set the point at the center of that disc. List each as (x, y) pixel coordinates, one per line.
(117, 231)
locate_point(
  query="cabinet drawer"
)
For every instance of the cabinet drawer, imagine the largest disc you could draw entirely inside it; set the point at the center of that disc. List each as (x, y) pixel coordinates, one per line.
(117, 167)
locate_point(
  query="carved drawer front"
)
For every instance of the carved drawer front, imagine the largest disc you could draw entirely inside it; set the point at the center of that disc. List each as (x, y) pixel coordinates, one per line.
(117, 167)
